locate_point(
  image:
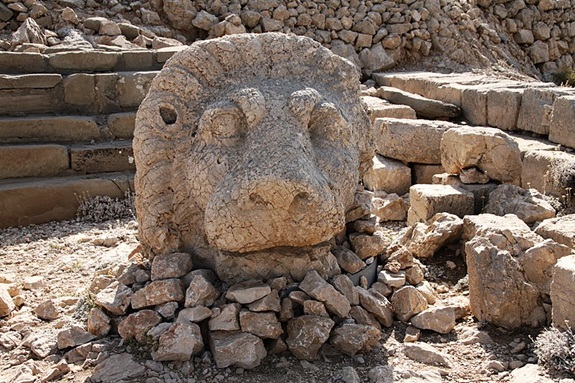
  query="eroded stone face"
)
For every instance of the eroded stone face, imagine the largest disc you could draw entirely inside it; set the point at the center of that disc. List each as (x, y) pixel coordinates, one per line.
(249, 149)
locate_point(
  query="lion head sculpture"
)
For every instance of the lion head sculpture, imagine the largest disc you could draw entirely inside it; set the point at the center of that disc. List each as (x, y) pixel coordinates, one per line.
(249, 149)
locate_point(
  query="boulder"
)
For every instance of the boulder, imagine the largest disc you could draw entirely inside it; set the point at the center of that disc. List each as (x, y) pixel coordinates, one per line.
(489, 149)
(560, 229)
(438, 319)
(306, 335)
(395, 139)
(527, 204)
(407, 302)
(428, 200)
(424, 240)
(241, 350)
(351, 338)
(561, 128)
(179, 343)
(562, 290)
(388, 175)
(538, 262)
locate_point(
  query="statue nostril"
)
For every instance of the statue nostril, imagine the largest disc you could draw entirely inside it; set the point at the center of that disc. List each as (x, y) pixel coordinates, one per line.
(257, 199)
(301, 196)
(300, 203)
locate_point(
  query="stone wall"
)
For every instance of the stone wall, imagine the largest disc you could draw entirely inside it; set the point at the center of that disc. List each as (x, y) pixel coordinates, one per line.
(527, 35)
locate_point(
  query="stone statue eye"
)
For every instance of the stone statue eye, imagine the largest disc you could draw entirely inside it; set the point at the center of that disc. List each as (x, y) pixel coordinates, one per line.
(222, 124)
(226, 124)
(168, 114)
(328, 123)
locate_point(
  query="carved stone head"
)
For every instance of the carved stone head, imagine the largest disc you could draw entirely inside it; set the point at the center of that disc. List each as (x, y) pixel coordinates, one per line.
(249, 149)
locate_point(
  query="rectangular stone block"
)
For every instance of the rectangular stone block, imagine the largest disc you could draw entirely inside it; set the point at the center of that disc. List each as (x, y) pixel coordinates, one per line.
(18, 161)
(122, 124)
(388, 175)
(410, 140)
(19, 101)
(84, 61)
(562, 127)
(503, 108)
(474, 105)
(80, 91)
(137, 60)
(536, 107)
(378, 108)
(105, 157)
(132, 87)
(163, 54)
(527, 143)
(26, 203)
(550, 172)
(562, 292)
(26, 81)
(48, 128)
(19, 62)
(428, 200)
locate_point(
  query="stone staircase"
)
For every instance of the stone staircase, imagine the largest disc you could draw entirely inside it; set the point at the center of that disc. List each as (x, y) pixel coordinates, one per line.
(66, 127)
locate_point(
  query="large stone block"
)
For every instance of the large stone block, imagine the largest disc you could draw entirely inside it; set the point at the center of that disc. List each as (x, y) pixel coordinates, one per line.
(474, 105)
(80, 91)
(84, 61)
(503, 108)
(20, 62)
(423, 106)
(562, 292)
(105, 157)
(388, 175)
(428, 200)
(48, 128)
(560, 229)
(249, 145)
(378, 108)
(132, 87)
(550, 172)
(410, 140)
(536, 107)
(562, 129)
(23, 81)
(122, 124)
(489, 149)
(31, 100)
(33, 160)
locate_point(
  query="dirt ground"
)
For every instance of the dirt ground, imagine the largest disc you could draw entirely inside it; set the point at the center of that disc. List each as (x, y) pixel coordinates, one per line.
(66, 255)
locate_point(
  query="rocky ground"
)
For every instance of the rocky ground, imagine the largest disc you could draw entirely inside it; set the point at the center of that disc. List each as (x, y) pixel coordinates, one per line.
(57, 261)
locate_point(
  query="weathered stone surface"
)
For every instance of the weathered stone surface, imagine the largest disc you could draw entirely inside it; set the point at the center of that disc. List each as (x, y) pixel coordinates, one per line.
(529, 205)
(239, 350)
(498, 291)
(488, 149)
(33, 160)
(538, 262)
(378, 108)
(264, 325)
(137, 324)
(200, 292)
(560, 129)
(507, 231)
(562, 290)
(306, 334)
(438, 319)
(248, 291)
(73, 336)
(117, 368)
(345, 286)
(388, 175)
(267, 196)
(428, 200)
(536, 107)
(389, 207)
(549, 171)
(503, 106)
(312, 307)
(226, 319)
(348, 260)
(98, 322)
(375, 59)
(84, 61)
(158, 292)
(115, 298)
(423, 174)
(425, 353)
(366, 246)
(179, 343)
(317, 288)
(351, 338)
(376, 304)
(424, 107)
(270, 302)
(194, 314)
(47, 310)
(561, 230)
(424, 240)
(171, 266)
(362, 316)
(395, 139)
(406, 302)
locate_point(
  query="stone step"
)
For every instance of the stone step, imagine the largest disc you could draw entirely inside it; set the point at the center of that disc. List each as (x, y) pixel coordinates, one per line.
(70, 128)
(77, 93)
(35, 201)
(85, 61)
(47, 160)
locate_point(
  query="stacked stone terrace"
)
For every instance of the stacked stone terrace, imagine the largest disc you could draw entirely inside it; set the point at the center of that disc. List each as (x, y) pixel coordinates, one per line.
(66, 129)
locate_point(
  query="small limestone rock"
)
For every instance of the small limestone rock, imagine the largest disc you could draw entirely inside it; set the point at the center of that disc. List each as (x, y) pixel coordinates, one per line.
(47, 310)
(348, 260)
(179, 343)
(381, 374)
(73, 336)
(349, 375)
(366, 246)
(362, 316)
(438, 319)
(265, 325)
(412, 334)
(34, 283)
(406, 302)
(6, 303)
(351, 338)
(306, 335)
(137, 324)
(227, 319)
(237, 349)
(98, 323)
(312, 307)
(270, 302)
(316, 287)
(392, 279)
(115, 298)
(248, 291)
(171, 266)
(344, 285)
(426, 353)
(200, 292)
(117, 368)
(376, 304)
(158, 292)
(194, 314)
